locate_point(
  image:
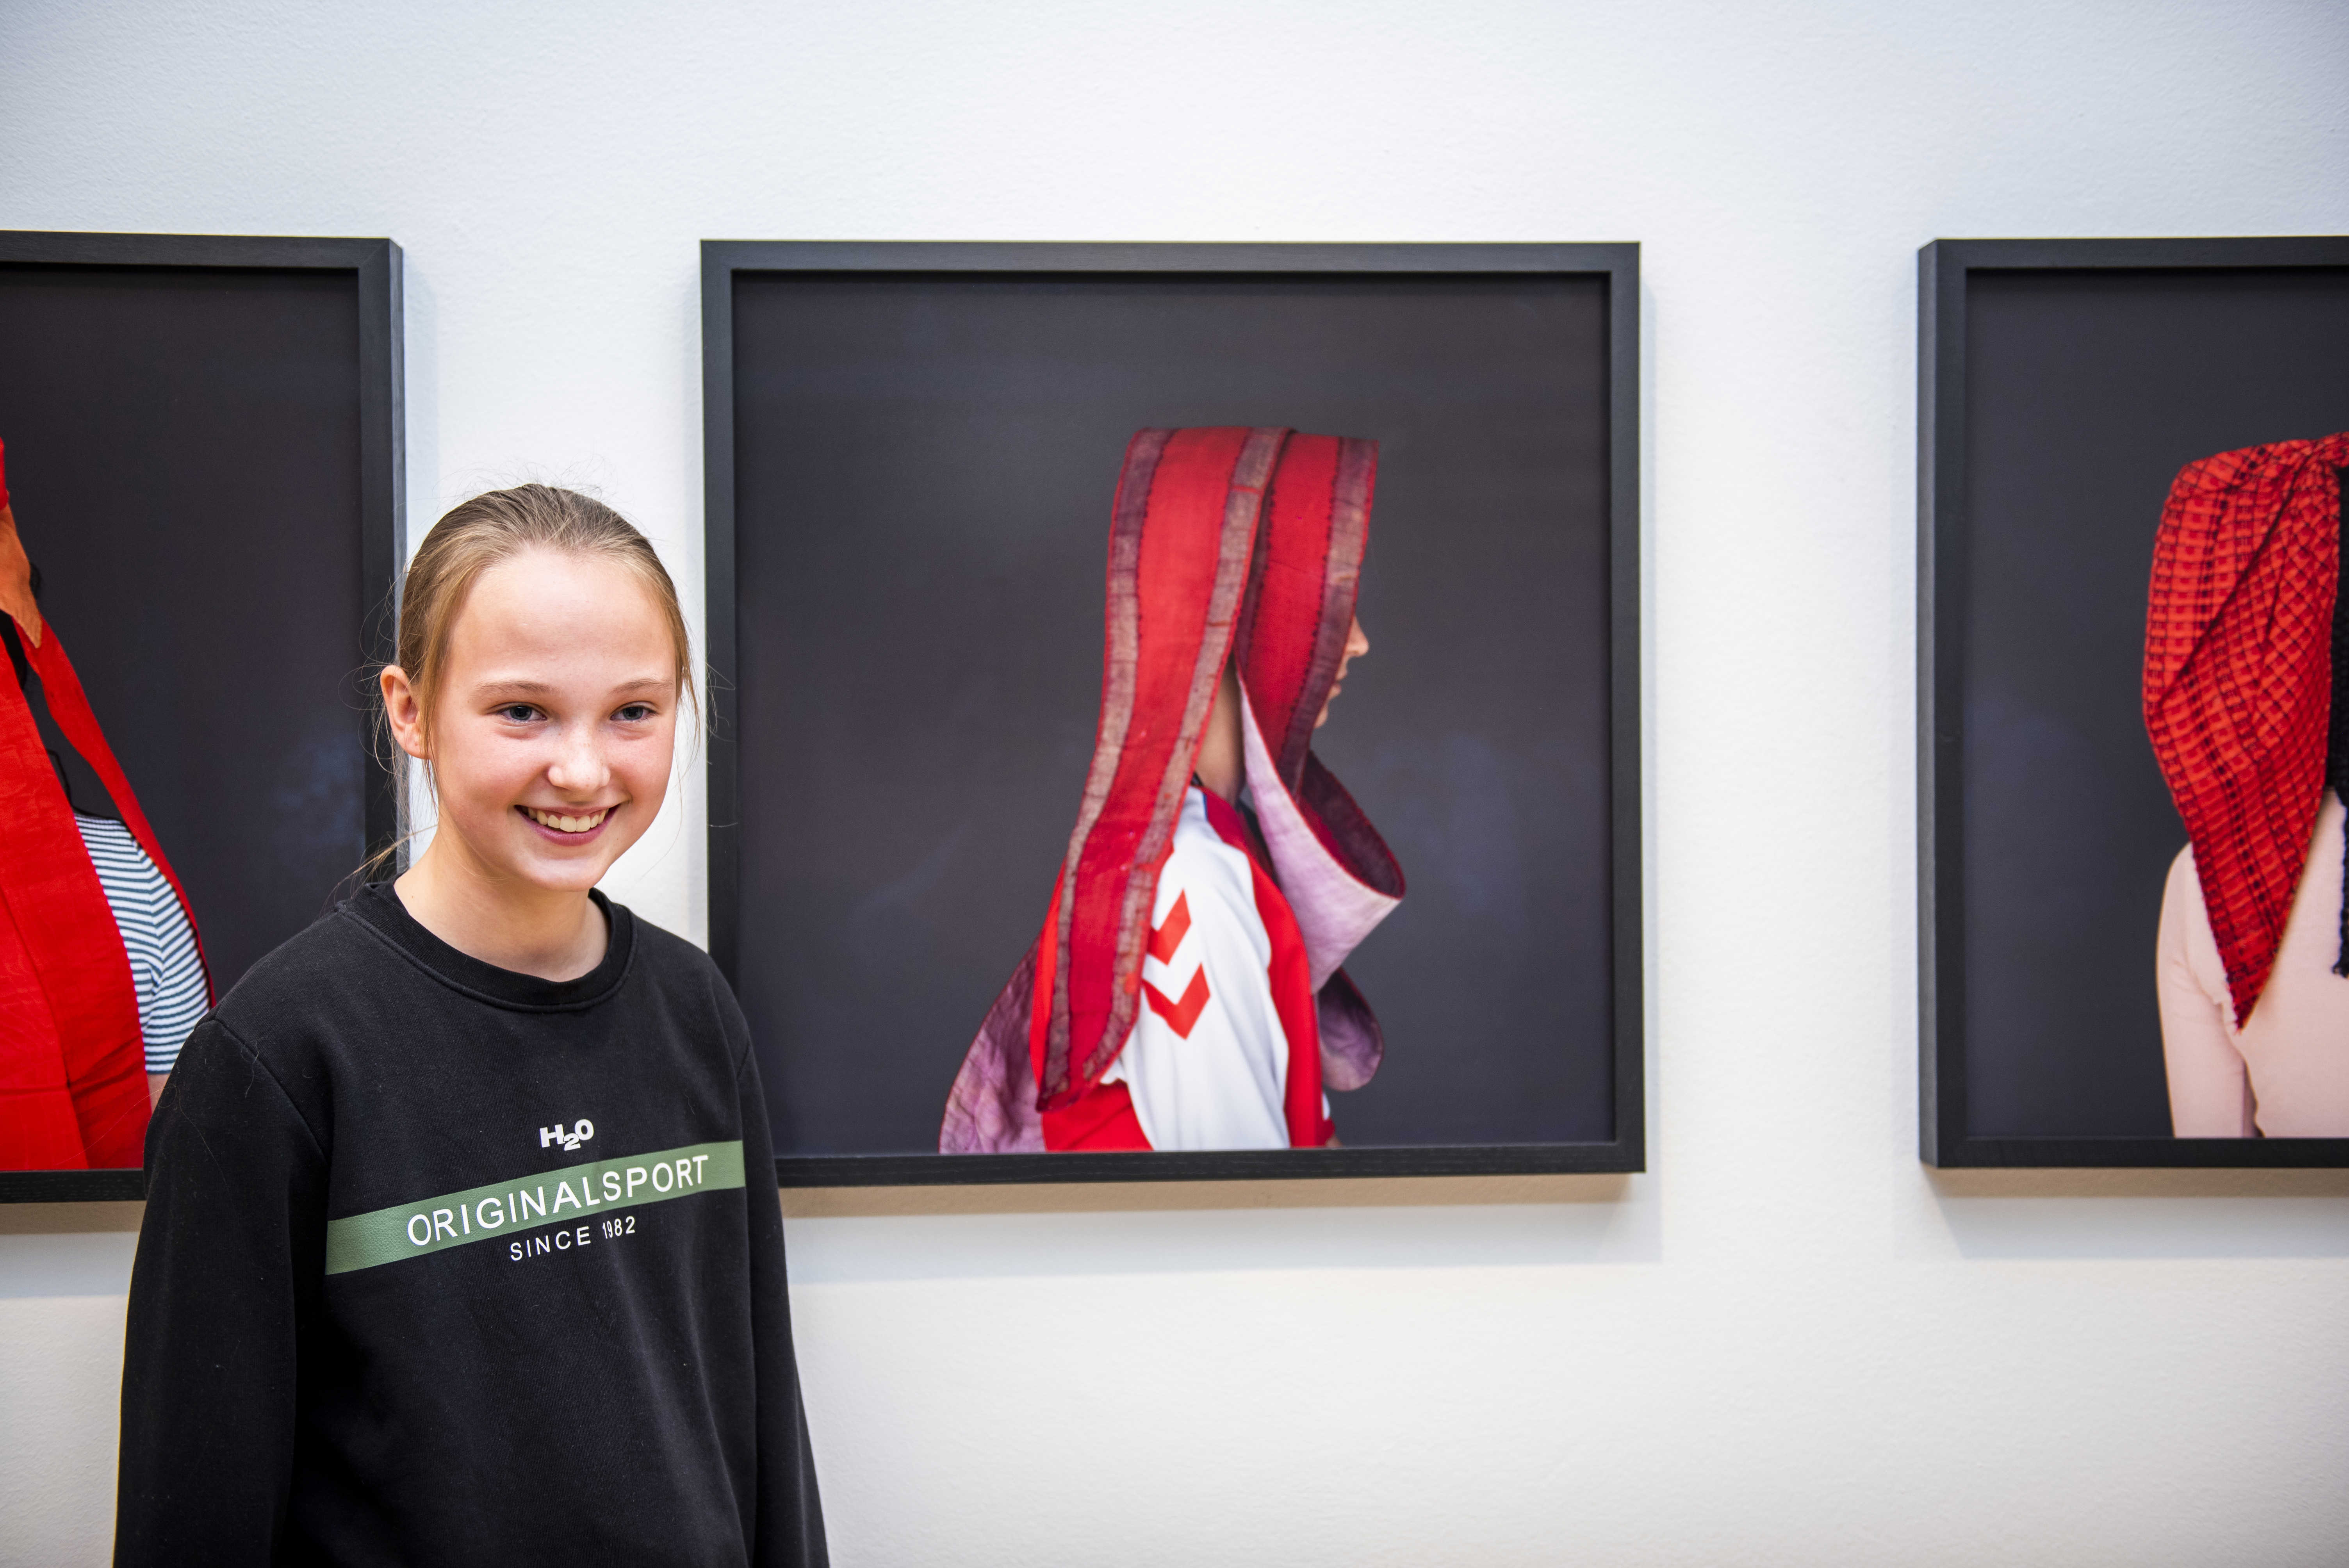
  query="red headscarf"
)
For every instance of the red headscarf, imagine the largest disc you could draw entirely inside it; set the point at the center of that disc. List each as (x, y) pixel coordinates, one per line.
(1226, 543)
(2238, 659)
(73, 1085)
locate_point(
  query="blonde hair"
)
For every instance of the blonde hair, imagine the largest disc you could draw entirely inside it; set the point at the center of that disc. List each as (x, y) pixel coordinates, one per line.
(497, 526)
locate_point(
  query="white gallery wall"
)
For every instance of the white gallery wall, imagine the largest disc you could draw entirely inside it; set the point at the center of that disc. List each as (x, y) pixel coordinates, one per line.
(1785, 1344)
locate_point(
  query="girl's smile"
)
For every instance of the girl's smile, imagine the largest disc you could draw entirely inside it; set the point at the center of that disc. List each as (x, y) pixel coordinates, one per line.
(577, 825)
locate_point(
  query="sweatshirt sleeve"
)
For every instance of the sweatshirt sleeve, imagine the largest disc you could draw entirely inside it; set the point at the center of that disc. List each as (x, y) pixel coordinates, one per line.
(231, 1262)
(790, 1513)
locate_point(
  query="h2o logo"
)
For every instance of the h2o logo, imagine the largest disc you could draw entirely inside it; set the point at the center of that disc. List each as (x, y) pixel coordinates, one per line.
(579, 1133)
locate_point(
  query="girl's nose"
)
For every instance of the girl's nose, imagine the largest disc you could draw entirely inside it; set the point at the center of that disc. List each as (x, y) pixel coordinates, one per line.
(579, 766)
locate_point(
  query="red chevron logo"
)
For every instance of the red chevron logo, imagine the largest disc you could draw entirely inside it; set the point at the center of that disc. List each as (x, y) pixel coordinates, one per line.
(1165, 939)
(1180, 1015)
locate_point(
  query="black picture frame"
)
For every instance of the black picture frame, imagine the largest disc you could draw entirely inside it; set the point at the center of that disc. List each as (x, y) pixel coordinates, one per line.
(1953, 276)
(372, 267)
(726, 262)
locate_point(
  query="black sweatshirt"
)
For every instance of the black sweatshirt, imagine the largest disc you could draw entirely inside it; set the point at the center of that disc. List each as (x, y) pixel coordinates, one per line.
(447, 1264)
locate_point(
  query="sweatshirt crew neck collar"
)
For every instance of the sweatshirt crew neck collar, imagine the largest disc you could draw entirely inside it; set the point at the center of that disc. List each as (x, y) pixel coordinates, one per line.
(379, 908)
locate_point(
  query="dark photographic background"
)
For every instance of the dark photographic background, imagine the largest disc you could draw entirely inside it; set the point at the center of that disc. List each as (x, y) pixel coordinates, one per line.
(183, 458)
(2086, 391)
(924, 468)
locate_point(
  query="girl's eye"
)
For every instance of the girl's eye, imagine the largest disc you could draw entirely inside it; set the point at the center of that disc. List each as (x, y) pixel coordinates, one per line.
(517, 713)
(634, 713)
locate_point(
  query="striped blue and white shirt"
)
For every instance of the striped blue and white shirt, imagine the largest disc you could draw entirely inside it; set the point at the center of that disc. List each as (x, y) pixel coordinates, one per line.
(161, 946)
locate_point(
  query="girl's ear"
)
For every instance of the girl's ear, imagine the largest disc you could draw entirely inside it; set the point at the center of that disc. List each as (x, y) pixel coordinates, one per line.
(404, 712)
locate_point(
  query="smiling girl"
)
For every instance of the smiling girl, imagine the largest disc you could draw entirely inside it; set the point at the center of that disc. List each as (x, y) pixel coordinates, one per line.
(461, 1242)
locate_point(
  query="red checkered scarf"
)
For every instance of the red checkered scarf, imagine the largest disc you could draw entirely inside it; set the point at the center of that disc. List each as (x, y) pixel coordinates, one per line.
(2239, 660)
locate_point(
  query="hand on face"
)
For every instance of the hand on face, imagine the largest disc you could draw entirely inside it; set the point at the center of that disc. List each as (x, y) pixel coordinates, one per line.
(1357, 645)
(555, 722)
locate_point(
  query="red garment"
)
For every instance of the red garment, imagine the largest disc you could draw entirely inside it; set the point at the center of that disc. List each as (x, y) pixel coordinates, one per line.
(73, 1081)
(2239, 679)
(1103, 1117)
(1226, 543)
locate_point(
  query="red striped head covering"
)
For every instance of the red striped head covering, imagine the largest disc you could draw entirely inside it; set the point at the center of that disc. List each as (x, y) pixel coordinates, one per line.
(2239, 661)
(1227, 546)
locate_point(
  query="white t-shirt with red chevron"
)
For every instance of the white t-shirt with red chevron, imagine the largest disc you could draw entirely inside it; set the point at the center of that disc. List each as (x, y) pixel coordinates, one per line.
(1207, 1063)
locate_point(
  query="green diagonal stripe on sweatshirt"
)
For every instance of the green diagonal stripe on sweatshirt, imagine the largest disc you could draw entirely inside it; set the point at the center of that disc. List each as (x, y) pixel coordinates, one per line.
(485, 1214)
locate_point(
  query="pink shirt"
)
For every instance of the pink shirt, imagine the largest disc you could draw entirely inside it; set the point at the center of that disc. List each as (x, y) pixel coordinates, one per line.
(2286, 1073)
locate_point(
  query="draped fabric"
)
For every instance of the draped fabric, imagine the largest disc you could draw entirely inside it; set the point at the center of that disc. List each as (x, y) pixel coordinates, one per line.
(1225, 544)
(73, 1085)
(2239, 679)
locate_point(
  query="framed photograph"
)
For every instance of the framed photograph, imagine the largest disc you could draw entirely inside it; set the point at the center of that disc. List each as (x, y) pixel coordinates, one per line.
(2131, 744)
(1043, 843)
(201, 444)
